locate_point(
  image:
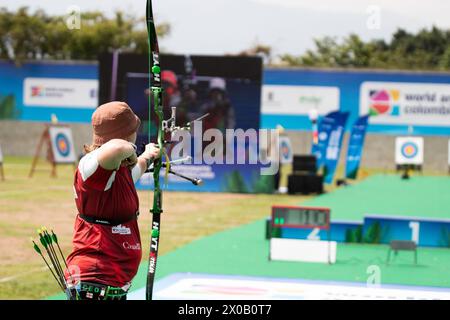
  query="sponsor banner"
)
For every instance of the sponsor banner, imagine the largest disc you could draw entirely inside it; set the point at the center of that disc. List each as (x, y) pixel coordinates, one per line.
(62, 93)
(333, 148)
(286, 152)
(235, 178)
(340, 231)
(399, 103)
(354, 96)
(355, 147)
(409, 150)
(62, 145)
(326, 125)
(299, 100)
(423, 231)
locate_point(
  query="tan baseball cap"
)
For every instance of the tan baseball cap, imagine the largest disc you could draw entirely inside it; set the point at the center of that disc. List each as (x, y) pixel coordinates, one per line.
(113, 120)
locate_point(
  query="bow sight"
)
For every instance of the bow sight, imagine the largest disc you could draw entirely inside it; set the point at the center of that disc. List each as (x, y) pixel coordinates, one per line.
(169, 125)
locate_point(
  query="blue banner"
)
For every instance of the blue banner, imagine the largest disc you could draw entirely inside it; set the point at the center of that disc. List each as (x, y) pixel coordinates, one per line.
(355, 147)
(356, 86)
(333, 148)
(423, 231)
(35, 91)
(244, 178)
(326, 125)
(340, 231)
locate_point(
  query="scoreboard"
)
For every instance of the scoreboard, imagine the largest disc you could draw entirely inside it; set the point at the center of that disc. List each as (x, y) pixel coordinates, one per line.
(300, 217)
(309, 221)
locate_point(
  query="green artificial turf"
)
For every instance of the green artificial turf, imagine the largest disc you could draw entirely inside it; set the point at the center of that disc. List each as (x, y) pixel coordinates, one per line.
(419, 196)
(244, 250)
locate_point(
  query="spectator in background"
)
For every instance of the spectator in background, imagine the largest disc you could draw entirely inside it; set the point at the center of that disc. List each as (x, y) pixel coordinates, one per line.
(171, 92)
(221, 113)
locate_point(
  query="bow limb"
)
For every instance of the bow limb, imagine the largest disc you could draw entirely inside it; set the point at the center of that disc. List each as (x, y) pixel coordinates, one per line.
(156, 95)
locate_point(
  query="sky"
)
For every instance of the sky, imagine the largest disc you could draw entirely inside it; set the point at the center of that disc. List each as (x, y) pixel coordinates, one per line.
(288, 26)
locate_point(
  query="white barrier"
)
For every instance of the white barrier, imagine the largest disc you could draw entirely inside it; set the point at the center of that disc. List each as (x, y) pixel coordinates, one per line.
(302, 250)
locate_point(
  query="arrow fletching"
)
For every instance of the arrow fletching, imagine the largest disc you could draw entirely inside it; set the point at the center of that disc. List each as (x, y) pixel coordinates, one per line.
(48, 238)
(36, 247)
(42, 240)
(55, 239)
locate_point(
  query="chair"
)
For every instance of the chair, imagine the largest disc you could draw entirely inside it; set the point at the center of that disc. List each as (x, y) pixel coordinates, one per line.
(402, 245)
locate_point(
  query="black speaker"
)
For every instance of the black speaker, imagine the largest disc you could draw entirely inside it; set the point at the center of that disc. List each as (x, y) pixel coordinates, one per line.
(296, 184)
(314, 184)
(305, 183)
(304, 163)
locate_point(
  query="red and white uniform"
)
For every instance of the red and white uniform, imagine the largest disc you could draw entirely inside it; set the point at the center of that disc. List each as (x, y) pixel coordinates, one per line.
(104, 254)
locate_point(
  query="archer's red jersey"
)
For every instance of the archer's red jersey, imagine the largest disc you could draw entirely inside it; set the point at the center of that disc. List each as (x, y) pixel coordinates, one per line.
(105, 254)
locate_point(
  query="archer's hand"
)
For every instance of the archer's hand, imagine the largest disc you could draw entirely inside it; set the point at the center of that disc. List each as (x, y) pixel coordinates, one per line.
(151, 152)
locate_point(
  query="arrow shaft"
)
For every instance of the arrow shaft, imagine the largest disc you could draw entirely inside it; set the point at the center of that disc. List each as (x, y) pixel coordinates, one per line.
(51, 271)
(55, 259)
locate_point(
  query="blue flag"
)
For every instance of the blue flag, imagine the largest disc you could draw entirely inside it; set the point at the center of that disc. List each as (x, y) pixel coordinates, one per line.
(355, 147)
(326, 125)
(333, 148)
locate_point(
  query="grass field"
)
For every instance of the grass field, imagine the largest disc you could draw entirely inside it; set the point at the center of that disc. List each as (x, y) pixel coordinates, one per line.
(209, 232)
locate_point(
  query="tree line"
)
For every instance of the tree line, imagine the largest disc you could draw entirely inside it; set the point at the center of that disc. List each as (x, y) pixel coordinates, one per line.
(425, 50)
(37, 36)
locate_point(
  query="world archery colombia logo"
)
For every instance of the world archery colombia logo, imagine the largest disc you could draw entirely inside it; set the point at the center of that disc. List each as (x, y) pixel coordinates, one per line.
(384, 102)
(37, 91)
(62, 145)
(409, 150)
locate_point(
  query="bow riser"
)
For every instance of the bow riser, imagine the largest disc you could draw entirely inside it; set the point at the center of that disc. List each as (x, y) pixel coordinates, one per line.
(164, 126)
(156, 94)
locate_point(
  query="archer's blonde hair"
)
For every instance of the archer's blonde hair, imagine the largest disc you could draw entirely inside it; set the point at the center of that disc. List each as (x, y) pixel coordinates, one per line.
(90, 147)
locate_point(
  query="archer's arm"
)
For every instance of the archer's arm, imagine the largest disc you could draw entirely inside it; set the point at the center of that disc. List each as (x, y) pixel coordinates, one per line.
(112, 153)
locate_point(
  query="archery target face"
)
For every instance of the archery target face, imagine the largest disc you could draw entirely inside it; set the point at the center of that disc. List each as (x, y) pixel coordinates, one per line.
(62, 145)
(286, 152)
(409, 150)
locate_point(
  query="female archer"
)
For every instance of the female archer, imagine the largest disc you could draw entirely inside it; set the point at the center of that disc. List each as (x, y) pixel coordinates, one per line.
(106, 241)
